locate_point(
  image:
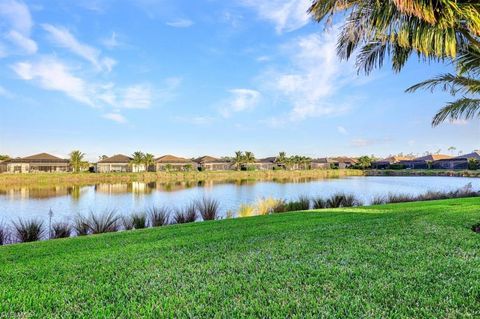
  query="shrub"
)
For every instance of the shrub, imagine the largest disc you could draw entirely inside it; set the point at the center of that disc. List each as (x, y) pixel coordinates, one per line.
(269, 205)
(186, 215)
(103, 223)
(159, 216)
(379, 200)
(127, 222)
(342, 200)
(60, 230)
(4, 234)
(208, 208)
(246, 210)
(302, 203)
(400, 198)
(80, 225)
(139, 220)
(28, 230)
(319, 203)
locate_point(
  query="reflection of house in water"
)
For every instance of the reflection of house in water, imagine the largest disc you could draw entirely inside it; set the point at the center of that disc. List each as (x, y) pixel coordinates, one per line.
(176, 186)
(35, 193)
(142, 188)
(116, 188)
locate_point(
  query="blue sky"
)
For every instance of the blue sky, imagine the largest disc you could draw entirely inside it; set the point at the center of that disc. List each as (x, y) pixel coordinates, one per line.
(202, 77)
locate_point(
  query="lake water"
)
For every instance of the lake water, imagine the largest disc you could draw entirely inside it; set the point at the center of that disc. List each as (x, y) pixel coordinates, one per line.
(126, 198)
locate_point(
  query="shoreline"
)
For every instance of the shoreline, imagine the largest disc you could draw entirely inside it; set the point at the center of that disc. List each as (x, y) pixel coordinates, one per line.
(422, 172)
(94, 178)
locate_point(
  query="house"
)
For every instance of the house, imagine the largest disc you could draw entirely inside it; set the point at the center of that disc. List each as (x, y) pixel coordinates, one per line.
(174, 163)
(344, 162)
(424, 162)
(3, 166)
(42, 162)
(459, 162)
(265, 164)
(324, 163)
(114, 164)
(391, 160)
(209, 163)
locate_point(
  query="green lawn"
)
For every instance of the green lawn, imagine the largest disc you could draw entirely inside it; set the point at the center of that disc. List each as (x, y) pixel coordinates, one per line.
(404, 260)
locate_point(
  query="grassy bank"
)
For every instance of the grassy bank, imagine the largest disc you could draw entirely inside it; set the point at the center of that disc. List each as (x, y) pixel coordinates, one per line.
(399, 260)
(422, 172)
(90, 178)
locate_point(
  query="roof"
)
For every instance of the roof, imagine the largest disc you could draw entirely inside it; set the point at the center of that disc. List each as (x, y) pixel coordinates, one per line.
(343, 159)
(119, 158)
(324, 160)
(209, 159)
(166, 159)
(270, 160)
(38, 158)
(432, 157)
(395, 159)
(475, 155)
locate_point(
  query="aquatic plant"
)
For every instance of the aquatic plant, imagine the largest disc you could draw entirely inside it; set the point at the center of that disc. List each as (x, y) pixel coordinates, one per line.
(159, 216)
(28, 230)
(208, 208)
(105, 222)
(60, 230)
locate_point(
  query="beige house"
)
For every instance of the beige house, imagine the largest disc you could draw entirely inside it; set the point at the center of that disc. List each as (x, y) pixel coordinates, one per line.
(114, 164)
(42, 162)
(265, 164)
(385, 163)
(209, 163)
(174, 163)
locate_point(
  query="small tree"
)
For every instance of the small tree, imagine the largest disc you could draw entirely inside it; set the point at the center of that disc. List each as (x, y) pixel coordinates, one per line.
(149, 161)
(138, 158)
(364, 162)
(238, 160)
(76, 161)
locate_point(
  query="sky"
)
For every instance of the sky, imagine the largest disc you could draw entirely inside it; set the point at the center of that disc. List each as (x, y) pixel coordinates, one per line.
(204, 77)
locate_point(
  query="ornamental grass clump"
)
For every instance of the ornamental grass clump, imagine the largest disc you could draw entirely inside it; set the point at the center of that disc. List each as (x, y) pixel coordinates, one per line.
(319, 203)
(246, 210)
(81, 226)
(208, 208)
(302, 203)
(185, 215)
(343, 200)
(159, 216)
(60, 230)
(28, 230)
(269, 205)
(139, 220)
(4, 234)
(105, 222)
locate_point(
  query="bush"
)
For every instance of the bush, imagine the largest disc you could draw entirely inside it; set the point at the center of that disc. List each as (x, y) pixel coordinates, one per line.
(379, 200)
(186, 215)
(127, 222)
(342, 200)
(319, 203)
(208, 208)
(159, 216)
(4, 234)
(103, 223)
(400, 198)
(139, 220)
(246, 210)
(80, 225)
(28, 230)
(60, 230)
(302, 203)
(270, 205)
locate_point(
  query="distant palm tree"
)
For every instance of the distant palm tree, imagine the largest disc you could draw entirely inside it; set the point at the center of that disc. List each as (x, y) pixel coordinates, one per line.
(138, 158)
(76, 160)
(249, 158)
(238, 160)
(149, 161)
(281, 158)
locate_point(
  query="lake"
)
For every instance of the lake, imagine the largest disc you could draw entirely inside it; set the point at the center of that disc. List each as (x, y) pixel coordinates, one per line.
(67, 201)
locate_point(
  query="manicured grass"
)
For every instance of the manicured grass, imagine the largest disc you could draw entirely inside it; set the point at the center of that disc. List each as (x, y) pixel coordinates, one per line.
(47, 179)
(401, 260)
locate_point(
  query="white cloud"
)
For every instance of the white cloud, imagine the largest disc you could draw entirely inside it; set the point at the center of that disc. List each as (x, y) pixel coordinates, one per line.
(460, 122)
(15, 27)
(180, 23)
(63, 38)
(286, 15)
(364, 142)
(240, 100)
(263, 58)
(116, 117)
(111, 42)
(26, 44)
(137, 97)
(310, 80)
(342, 130)
(51, 74)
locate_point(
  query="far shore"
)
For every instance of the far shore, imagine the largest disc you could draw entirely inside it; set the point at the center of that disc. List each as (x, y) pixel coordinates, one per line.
(422, 172)
(34, 179)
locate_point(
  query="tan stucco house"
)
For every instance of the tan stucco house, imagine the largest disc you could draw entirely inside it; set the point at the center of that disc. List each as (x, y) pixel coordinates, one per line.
(116, 163)
(210, 163)
(174, 163)
(42, 162)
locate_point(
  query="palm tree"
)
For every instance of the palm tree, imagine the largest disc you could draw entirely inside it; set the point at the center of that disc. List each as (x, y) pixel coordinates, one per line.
(76, 160)
(238, 160)
(249, 158)
(281, 158)
(138, 158)
(432, 29)
(149, 161)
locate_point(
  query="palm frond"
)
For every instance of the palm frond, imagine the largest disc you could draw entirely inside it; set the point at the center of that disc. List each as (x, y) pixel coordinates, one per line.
(464, 108)
(449, 82)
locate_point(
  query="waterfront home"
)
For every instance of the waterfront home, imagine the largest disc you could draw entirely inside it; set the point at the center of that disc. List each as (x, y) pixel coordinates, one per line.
(42, 162)
(387, 162)
(209, 163)
(459, 162)
(265, 164)
(324, 163)
(174, 163)
(424, 162)
(3, 166)
(344, 162)
(116, 164)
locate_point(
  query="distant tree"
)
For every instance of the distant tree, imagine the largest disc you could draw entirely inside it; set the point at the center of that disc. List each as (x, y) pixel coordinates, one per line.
(76, 161)
(249, 158)
(364, 162)
(149, 161)
(452, 149)
(138, 158)
(4, 157)
(438, 151)
(101, 158)
(238, 160)
(473, 164)
(281, 159)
